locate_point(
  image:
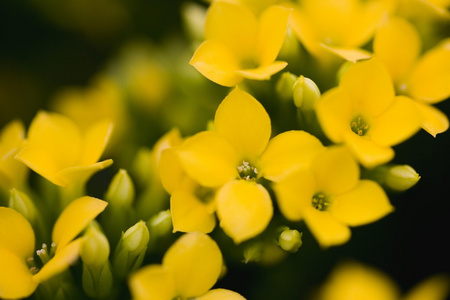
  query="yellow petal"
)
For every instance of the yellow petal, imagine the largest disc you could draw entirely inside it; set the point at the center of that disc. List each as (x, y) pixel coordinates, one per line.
(208, 158)
(53, 144)
(305, 31)
(244, 209)
(152, 282)
(433, 288)
(429, 80)
(336, 171)
(221, 294)
(326, 229)
(288, 152)
(217, 63)
(16, 233)
(397, 44)
(365, 204)
(244, 122)
(64, 257)
(190, 214)
(368, 153)
(432, 120)
(170, 170)
(369, 86)
(263, 72)
(334, 111)
(233, 25)
(396, 124)
(294, 194)
(77, 174)
(16, 280)
(95, 142)
(273, 24)
(347, 53)
(195, 261)
(75, 217)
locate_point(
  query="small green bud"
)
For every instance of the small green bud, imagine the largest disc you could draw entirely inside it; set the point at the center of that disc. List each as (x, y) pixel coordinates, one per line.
(401, 177)
(342, 69)
(121, 190)
(285, 85)
(142, 166)
(253, 253)
(306, 93)
(22, 203)
(194, 16)
(130, 250)
(290, 240)
(95, 248)
(160, 224)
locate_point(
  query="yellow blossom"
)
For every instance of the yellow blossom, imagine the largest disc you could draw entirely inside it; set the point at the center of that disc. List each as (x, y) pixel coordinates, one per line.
(17, 242)
(239, 45)
(190, 268)
(57, 150)
(329, 197)
(364, 113)
(234, 158)
(12, 173)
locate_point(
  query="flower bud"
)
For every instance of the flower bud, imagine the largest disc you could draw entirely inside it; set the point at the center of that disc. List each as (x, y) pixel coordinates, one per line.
(285, 85)
(290, 240)
(95, 248)
(160, 224)
(121, 190)
(306, 93)
(22, 203)
(401, 177)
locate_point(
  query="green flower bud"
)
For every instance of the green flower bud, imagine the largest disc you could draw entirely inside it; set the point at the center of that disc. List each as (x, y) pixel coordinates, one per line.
(121, 190)
(401, 178)
(253, 253)
(290, 240)
(160, 224)
(95, 248)
(131, 249)
(306, 93)
(23, 204)
(342, 69)
(142, 168)
(285, 85)
(194, 16)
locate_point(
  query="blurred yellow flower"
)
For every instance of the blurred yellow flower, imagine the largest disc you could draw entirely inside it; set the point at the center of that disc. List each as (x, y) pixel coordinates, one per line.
(236, 156)
(239, 45)
(17, 242)
(57, 150)
(190, 268)
(364, 113)
(329, 197)
(13, 174)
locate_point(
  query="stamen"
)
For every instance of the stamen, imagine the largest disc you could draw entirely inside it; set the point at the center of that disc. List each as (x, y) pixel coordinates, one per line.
(359, 126)
(43, 254)
(320, 201)
(247, 171)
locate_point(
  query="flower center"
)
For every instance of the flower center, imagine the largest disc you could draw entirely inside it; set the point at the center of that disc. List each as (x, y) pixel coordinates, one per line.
(204, 194)
(247, 171)
(359, 126)
(249, 63)
(320, 202)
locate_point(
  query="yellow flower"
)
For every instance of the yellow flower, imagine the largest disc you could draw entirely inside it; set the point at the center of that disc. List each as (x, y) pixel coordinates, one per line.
(424, 78)
(12, 173)
(239, 45)
(345, 23)
(57, 150)
(364, 113)
(329, 197)
(352, 280)
(190, 268)
(236, 156)
(17, 243)
(256, 6)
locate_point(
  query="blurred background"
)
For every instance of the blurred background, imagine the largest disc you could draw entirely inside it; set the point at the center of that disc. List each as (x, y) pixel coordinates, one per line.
(53, 49)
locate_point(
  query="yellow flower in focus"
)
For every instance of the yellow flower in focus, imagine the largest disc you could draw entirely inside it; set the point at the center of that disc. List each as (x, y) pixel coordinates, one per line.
(329, 197)
(236, 156)
(344, 24)
(12, 173)
(239, 45)
(17, 242)
(364, 113)
(355, 281)
(256, 6)
(57, 150)
(190, 268)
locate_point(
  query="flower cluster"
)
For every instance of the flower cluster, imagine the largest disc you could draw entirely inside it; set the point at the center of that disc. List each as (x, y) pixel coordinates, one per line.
(272, 119)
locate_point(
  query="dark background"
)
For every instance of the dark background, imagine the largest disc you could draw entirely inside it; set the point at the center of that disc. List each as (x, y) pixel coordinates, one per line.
(42, 51)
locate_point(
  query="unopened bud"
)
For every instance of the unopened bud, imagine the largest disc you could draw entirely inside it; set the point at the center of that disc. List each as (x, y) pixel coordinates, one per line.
(121, 190)
(95, 248)
(285, 85)
(160, 224)
(306, 93)
(22, 203)
(253, 253)
(135, 239)
(290, 240)
(401, 177)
